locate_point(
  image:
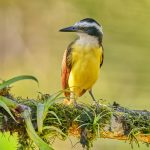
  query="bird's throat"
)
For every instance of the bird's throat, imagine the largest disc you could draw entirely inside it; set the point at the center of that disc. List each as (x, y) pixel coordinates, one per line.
(87, 40)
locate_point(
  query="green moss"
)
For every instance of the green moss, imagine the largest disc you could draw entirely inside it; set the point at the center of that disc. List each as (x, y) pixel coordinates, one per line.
(135, 122)
(89, 121)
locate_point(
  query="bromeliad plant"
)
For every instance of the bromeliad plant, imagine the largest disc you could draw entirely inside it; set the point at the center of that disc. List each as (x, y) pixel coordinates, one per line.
(24, 111)
(37, 115)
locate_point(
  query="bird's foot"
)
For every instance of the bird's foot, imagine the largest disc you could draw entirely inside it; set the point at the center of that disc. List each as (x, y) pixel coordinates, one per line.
(95, 101)
(97, 105)
(78, 106)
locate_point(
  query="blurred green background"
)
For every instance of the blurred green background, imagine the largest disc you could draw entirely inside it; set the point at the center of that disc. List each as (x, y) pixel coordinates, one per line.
(31, 44)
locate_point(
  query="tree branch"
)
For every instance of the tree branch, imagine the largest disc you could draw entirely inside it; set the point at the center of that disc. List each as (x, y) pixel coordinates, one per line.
(55, 119)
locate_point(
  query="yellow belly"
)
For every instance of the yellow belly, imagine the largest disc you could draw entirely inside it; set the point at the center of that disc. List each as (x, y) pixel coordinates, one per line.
(85, 69)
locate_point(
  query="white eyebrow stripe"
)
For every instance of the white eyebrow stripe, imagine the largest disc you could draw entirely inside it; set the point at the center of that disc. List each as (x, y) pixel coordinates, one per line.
(88, 24)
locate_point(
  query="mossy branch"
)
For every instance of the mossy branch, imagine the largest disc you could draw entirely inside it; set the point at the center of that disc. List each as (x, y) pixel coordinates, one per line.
(39, 121)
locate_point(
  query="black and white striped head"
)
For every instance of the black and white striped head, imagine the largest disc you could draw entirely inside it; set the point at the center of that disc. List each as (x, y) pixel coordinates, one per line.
(88, 26)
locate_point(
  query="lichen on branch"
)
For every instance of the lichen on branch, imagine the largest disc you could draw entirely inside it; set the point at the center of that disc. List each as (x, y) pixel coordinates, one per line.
(38, 122)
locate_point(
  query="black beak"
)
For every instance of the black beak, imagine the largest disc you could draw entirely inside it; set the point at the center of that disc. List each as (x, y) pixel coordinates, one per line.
(69, 29)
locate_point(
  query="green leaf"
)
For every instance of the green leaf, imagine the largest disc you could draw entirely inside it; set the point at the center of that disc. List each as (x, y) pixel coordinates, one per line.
(88, 116)
(40, 116)
(32, 134)
(3, 105)
(55, 129)
(52, 99)
(53, 113)
(43, 109)
(17, 78)
(9, 102)
(84, 124)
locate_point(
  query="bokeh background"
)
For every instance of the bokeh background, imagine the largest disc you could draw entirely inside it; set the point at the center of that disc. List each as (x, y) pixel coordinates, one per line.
(31, 44)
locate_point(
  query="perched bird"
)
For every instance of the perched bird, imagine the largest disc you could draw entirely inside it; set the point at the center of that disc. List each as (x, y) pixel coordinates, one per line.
(83, 59)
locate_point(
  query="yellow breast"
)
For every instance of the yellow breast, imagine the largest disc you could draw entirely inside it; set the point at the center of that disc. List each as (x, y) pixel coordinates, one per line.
(85, 68)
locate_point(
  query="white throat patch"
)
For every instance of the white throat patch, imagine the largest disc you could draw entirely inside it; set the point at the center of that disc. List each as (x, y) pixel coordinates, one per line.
(85, 39)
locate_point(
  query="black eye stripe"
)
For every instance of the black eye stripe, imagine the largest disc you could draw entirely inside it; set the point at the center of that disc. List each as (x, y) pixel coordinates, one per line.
(88, 28)
(83, 28)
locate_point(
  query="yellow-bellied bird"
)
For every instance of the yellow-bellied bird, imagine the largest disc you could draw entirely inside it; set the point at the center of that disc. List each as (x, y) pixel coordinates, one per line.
(83, 58)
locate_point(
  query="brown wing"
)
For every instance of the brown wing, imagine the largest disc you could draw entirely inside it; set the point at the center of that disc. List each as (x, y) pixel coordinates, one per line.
(66, 68)
(65, 72)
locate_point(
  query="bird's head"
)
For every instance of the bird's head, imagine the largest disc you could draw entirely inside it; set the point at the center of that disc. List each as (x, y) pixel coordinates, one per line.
(87, 26)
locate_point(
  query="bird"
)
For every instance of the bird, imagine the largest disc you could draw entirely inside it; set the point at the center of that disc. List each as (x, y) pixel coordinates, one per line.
(82, 60)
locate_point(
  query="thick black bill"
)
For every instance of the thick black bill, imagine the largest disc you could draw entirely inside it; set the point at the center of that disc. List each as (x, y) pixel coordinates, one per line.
(69, 29)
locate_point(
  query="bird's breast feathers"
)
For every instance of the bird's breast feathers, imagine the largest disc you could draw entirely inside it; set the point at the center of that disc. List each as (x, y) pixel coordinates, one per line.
(85, 66)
